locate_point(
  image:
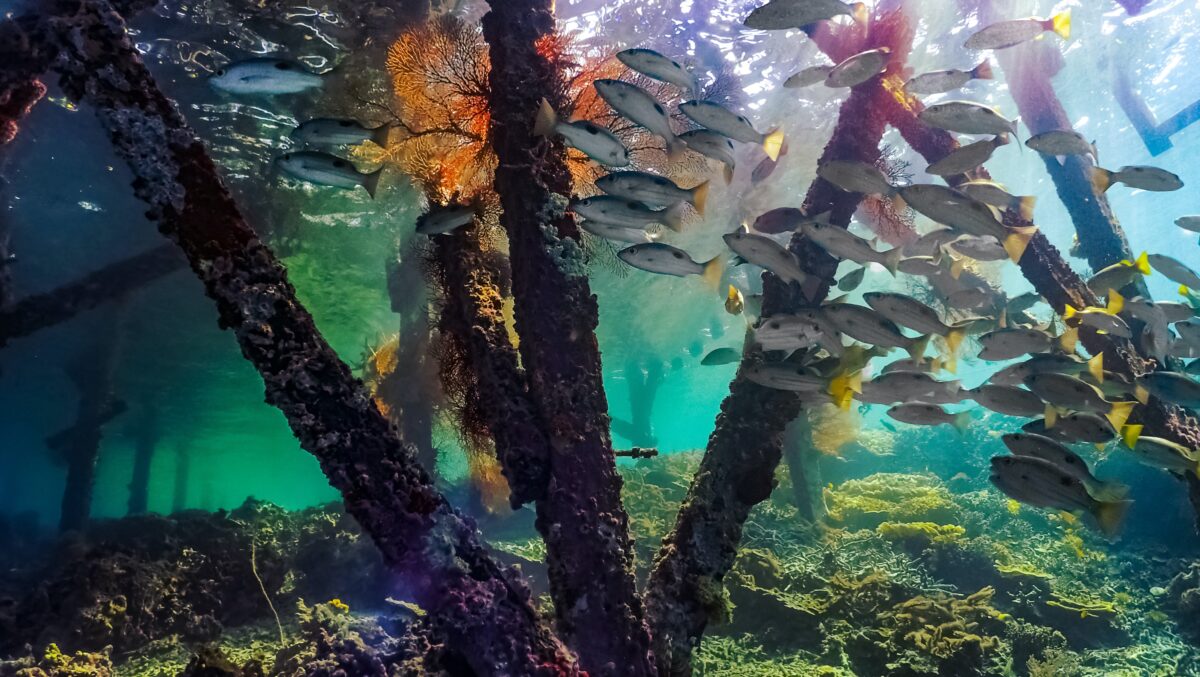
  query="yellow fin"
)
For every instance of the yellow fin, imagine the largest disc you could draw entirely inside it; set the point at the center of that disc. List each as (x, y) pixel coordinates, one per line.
(1025, 207)
(1130, 434)
(1110, 515)
(916, 349)
(1101, 179)
(1095, 367)
(1119, 414)
(714, 268)
(956, 268)
(954, 339)
(1069, 340)
(1016, 243)
(1061, 24)
(543, 124)
(700, 197)
(1141, 394)
(1143, 263)
(1051, 416)
(1069, 312)
(1116, 302)
(772, 143)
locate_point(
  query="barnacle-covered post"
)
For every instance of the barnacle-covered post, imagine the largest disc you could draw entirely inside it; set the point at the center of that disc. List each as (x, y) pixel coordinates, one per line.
(473, 316)
(738, 469)
(481, 611)
(110, 283)
(590, 555)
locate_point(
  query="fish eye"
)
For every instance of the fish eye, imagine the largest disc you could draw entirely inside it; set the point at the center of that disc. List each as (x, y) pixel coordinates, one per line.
(221, 72)
(1065, 481)
(591, 129)
(677, 255)
(339, 163)
(283, 65)
(346, 123)
(659, 109)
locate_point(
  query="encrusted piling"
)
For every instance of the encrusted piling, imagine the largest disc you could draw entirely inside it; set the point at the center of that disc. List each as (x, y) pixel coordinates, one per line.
(738, 469)
(590, 554)
(145, 442)
(473, 316)
(481, 610)
(113, 282)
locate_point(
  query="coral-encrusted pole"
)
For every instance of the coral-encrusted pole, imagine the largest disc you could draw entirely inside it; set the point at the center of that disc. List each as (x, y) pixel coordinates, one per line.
(473, 313)
(738, 469)
(590, 555)
(481, 610)
(112, 282)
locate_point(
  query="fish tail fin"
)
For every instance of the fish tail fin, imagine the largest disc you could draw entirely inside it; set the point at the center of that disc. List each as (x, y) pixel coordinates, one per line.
(728, 174)
(961, 422)
(1069, 312)
(1069, 340)
(1120, 413)
(1095, 367)
(1130, 435)
(954, 339)
(1110, 515)
(672, 217)
(772, 142)
(379, 135)
(1107, 491)
(1061, 24)
(1051, 416)
(700, 197)
(676, 149)
(842, 389)
(1116, 302)
(714, 269)
(1025, 205)
(916, 349)
(983, 71)
(1141, 394)
(859, 12)
(1101, 179)
(543, 124)
(1143, 263)
(957, 266)
(371, 182)
(891, 260)
(1016, 243)
(1002, 139)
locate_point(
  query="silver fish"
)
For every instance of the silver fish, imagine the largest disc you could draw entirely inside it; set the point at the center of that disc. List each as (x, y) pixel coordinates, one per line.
(994, 194)
(712, 145)
(715, 117)
(909, 312)
(855, 177)
(618, 211)
(980, 248)
(786, 377)
(1135, 176)
(638, 106)
(340, 132)
(587, 137)
(1042, 484)
(1053, 451)
(1006, 344)
(968, 157)
(1077, 427)
(445, 219)
(784, 14)
(1062, 142)
(808, 77)
(1191, 223)
(1173, 387)
(966, 117)
(1119, 275)
(265, 76)
(930, 244)
(767, 253)
(798, 332)
(1174, 270)
(1157, 452)
(328, 170)
(871, 328)
(780, 220)
(921, 413)
(1015, 374)
(656, 257)
(616, 233)
(955, 209)
(843, 244)
(1072, 393)
(653, 189)
(937, 82)
(858, 68)
(1008, 400)
(1010, 33)
(911, 386)
(658, 67)
(720, 356)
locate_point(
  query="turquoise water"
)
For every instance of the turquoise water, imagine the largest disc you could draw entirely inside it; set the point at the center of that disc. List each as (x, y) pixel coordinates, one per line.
(70, 211)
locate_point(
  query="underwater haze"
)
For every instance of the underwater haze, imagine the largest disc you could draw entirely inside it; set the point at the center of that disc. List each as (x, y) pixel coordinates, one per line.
(522, 337)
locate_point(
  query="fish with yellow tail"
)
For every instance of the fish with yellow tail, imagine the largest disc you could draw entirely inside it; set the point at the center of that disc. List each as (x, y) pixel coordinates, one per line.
(1040, 446)
(715, 117)
(1075, 428)
(968, 117)
(663, 259)
(638, 106)
(712, 145)
(994, 194)
(324, 169)
(764, 252)
(938, 82)
(1008, 400)
(1119, 275)
(909, 312)
(870, 327)
(1136, 176)
(1004, 34)
(845, 245)
(586, 137)
(618, 211)
(1013, 342)
(1170, 386)
(966, 214)
(735, 303)
(1072, 394)
(1161, 453)
(1103, 320)
(843, 387)
(921, 413)
(1042, 484)
(653, 189)
(964, 159)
